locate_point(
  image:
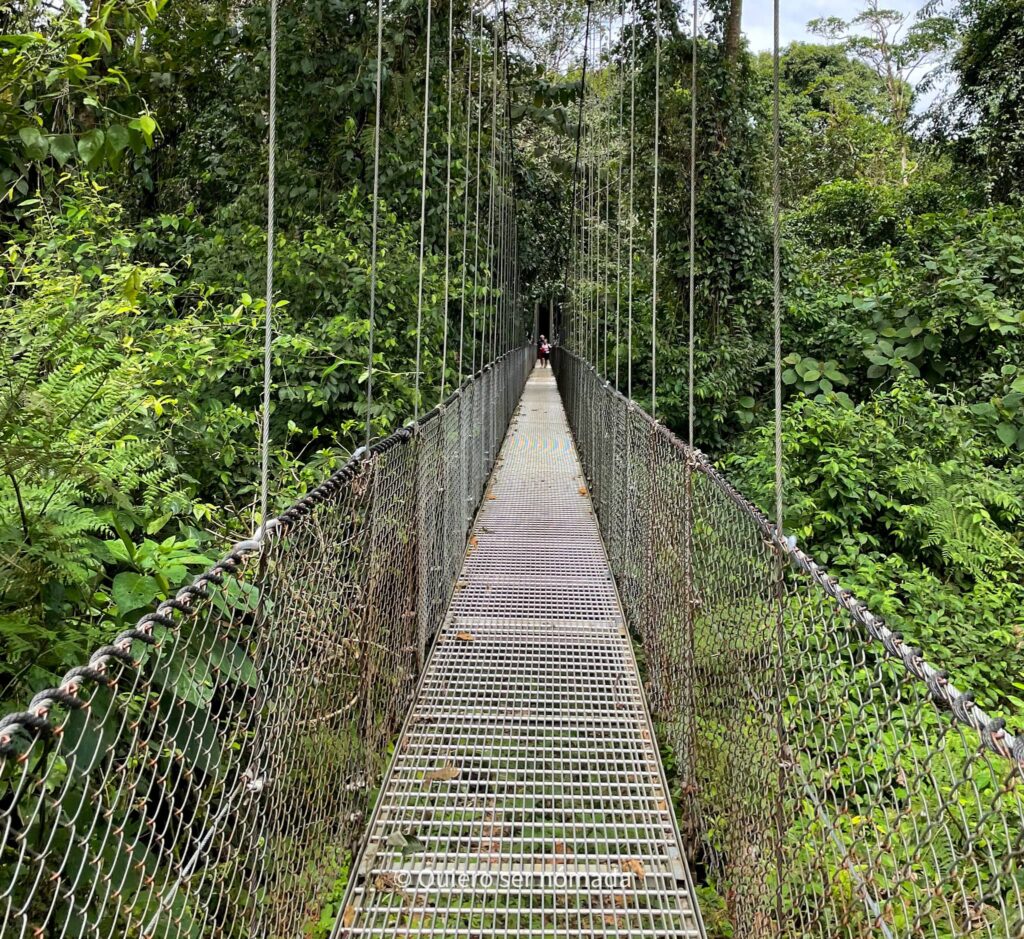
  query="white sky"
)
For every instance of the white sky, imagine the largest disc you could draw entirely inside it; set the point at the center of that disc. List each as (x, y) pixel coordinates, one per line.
(794, 16)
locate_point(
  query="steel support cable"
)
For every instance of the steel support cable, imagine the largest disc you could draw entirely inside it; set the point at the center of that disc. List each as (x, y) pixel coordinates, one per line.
(513, 174)
(618, 198)
(476, 213)
(374, 222)
(780, 624)
(632, 172)
(579, 139)
(465, 211)
(693, 223)
(423, 224)
(268, 324)
(654, 220)
(447, 197)
(605, 229)
(777, 271)
(491, 304)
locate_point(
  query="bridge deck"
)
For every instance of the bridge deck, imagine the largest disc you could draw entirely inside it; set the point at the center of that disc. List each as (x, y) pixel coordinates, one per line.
(526, 796)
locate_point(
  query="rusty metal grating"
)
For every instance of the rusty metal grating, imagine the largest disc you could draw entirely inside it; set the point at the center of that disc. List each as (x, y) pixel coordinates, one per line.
(526, 795)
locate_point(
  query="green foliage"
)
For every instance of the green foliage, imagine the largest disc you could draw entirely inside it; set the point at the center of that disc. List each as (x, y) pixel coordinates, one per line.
(989, 67)
(915, 513)
(938, 294)
(67, 97)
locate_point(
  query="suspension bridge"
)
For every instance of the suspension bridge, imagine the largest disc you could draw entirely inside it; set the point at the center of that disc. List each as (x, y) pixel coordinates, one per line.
(527, 666)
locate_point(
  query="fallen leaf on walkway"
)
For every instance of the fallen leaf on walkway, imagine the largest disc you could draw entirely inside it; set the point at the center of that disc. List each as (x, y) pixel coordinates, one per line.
(388, 882)
(348, 917)
(465, 637)
(444, 774)
(583, 490)
(474, 541)
(413, 845)
(634, 867)
(491, 496)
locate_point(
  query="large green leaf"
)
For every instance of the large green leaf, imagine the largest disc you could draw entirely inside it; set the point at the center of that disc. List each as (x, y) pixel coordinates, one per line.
(34, 142)
(185, 675)
(191, 733)
(62, 146)
(89, 735)
(90, 146)
(133, 591)
(233, 663)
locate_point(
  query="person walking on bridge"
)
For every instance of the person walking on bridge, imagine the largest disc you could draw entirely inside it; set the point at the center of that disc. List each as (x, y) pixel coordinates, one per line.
(543, 348)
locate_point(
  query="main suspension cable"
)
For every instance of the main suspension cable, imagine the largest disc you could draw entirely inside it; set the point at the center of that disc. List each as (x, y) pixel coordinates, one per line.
(268, 325)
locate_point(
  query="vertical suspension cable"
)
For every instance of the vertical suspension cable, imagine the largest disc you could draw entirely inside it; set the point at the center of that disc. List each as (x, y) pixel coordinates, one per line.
(606, 228)
(690, 419)
(373, 228)
(447, 197)
(423, 224)
(632, 170)
(465, 206)
(492, 303)
(514, 231)
(776, 270)
(476, 215)
(618, 197)
(268, 324)
(654, 223)
(574, 245)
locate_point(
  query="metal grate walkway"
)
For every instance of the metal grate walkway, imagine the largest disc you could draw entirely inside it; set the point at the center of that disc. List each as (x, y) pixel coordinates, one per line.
(526, 797)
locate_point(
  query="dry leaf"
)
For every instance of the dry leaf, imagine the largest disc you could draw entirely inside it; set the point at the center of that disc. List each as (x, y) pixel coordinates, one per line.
(465, 637)
(491, 496)
(473, 540)
(634, 867)
(662, 805)
(444, 774)
(387, 882)
(619, 900)
(583, 490)
(348, 917)
(612, 920)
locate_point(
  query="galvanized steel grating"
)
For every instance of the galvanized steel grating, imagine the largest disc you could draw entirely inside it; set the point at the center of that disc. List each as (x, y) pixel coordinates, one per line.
(526, 795)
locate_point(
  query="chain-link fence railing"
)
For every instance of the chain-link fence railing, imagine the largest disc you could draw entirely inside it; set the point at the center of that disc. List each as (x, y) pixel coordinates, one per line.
(832, 783)
(208, 773)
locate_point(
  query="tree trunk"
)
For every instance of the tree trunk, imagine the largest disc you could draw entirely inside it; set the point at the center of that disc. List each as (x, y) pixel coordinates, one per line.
(732, 30)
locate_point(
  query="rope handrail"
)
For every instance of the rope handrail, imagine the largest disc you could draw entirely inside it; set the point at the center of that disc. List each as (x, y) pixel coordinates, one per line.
(992, 730)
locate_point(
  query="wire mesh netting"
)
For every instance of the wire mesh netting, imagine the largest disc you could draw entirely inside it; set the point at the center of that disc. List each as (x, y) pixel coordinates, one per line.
(210, 771)
(831, 782)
